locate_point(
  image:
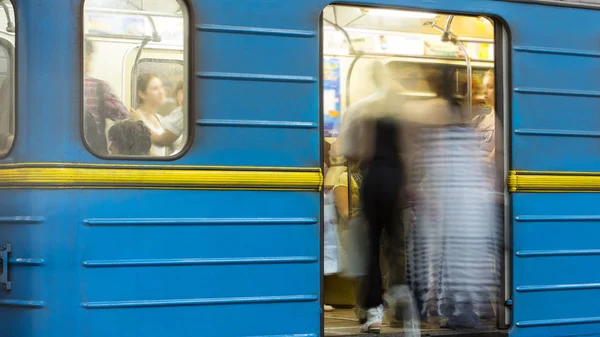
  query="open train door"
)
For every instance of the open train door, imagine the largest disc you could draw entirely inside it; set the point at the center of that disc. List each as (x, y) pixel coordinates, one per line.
(547, 94)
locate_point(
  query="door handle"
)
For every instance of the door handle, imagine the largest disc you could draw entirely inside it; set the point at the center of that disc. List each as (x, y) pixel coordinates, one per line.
(4, 257)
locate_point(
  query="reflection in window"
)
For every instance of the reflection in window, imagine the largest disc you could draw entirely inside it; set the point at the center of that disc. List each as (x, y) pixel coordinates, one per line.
(134, 104)
(7, 108)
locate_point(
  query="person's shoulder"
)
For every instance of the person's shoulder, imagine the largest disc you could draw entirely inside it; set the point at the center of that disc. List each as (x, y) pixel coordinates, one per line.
(99, 83)
(365, 103)
(89, 79)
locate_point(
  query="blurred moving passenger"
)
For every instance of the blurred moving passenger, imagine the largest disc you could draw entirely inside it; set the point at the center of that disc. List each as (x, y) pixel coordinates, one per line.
(372, 136)
(129, 138)
(100, 104)
(454, 213)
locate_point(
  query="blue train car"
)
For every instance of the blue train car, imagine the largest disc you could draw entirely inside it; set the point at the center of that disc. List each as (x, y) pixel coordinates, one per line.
(215, 229)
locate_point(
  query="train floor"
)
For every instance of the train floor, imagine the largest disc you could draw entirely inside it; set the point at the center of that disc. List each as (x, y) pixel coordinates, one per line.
(342, 322)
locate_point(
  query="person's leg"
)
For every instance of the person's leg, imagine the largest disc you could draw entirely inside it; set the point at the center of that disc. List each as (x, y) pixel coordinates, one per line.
(360, 291)
(372, 300)
(396, 264)
(402, 305)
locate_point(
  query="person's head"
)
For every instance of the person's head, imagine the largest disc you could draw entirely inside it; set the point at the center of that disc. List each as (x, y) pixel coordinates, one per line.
(435, 81)
(130, 138)
(179, 93)
(88, 52)
(489, 84)
(150, 90)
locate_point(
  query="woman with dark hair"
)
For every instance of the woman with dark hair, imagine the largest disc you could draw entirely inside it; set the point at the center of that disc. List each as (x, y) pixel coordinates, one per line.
(172, 126)
(150, 96)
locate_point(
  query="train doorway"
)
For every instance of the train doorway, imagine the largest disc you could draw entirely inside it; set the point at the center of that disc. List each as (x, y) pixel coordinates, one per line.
(416, 49)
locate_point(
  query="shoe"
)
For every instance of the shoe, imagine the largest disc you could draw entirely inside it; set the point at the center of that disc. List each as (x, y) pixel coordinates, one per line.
(374, 320)
(403, 311)
(328, 308)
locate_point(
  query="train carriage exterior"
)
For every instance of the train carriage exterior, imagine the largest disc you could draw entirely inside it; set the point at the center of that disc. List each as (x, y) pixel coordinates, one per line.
(224, 238)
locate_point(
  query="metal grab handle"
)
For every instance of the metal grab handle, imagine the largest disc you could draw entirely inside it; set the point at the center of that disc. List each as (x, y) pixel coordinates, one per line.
(4, 256)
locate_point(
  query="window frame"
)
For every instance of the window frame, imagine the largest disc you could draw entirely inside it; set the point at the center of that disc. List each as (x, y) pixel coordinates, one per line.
(13, 64)
(188, 12)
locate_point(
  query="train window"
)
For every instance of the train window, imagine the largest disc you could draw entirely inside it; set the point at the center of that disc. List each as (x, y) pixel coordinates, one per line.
(7, 106)
(438, 70)
(135, 78)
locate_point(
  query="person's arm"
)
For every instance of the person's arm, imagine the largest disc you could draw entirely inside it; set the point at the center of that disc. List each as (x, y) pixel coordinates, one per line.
(164, 139)
(340, 193)
(173, 128)
(161, 139)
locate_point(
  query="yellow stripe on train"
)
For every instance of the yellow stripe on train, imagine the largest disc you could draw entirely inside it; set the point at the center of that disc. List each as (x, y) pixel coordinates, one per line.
(553, 181)
(56, 175)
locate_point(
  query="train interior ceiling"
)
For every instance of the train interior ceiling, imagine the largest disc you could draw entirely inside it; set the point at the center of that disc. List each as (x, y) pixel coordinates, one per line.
(410, 45)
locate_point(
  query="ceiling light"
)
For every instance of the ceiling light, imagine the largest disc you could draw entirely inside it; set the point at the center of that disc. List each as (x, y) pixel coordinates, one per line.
(401, 14)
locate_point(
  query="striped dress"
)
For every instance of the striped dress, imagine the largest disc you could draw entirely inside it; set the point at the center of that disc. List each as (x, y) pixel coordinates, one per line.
(452, 243)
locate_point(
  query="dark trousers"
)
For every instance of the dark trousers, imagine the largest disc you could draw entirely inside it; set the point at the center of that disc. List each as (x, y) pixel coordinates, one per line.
(380, 194)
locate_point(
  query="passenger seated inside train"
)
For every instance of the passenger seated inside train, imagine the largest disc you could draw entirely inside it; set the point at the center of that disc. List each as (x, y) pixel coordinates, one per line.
(129, 138)
(169, 134)
(100, 104)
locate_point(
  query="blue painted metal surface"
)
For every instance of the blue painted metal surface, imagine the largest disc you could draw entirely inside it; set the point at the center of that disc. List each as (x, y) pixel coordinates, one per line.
(233, 263)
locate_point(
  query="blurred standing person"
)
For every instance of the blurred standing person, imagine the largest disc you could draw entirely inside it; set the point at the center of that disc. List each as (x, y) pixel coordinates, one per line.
(372, 136)
(454, 213)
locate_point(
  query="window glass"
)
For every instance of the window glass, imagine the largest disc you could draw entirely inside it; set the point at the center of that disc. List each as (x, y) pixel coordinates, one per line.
(135, 104)
(7, 106)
